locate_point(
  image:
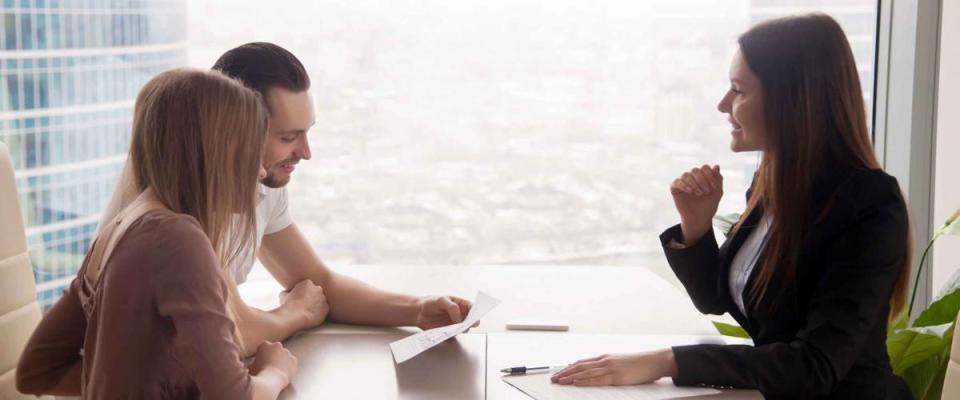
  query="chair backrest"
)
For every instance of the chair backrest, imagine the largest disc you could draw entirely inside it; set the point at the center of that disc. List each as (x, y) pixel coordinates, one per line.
(19, 311)
(951, 383)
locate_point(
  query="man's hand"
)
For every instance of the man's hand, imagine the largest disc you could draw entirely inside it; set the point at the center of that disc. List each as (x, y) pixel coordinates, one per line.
(307, 303)
(435, 312)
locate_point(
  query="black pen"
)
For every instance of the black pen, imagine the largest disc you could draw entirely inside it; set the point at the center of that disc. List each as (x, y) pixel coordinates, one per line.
(524, 370)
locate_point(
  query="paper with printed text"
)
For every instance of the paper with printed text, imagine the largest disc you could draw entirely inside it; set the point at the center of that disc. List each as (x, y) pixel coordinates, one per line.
(408, 347)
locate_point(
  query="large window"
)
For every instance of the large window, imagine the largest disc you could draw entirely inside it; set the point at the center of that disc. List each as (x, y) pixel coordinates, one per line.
(69, 73)
(518, 132)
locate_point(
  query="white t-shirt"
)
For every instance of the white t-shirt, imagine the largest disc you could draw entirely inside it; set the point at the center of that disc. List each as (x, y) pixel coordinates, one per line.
(273, 215)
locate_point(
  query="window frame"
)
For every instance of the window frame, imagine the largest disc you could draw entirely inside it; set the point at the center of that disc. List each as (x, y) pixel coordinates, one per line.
(905, 115)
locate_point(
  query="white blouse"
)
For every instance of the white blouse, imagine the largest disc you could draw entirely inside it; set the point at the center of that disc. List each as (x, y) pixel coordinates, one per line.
(746, 259)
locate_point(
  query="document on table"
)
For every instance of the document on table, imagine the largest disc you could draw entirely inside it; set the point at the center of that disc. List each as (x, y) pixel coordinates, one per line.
(408, 347)
(538, 386)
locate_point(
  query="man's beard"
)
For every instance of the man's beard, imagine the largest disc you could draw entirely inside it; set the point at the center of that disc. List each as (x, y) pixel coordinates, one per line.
(272, 180)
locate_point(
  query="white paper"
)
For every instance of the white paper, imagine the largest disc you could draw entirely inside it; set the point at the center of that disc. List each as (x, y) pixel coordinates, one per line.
(408, 347)
(539, 387)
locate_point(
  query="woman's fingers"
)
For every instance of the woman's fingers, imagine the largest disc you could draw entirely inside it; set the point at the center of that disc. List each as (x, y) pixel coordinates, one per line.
(712, 176)
(699, 183)
(603, 380)
(718, 176)
(679, 186)
(575, 368)
(591, 359)
(707, 178)
(584, 375)
(567, 371)
(702, 181)
(690, 181)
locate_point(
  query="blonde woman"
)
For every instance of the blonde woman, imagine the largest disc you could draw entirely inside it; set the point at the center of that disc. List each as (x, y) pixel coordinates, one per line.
(149, 314)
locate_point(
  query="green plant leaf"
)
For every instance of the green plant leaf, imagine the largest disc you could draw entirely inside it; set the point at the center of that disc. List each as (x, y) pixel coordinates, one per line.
(898, 323)
(922, 376)
(731, 330)
(914, 351)
(941, 311)
(912, 346)
(935, 389)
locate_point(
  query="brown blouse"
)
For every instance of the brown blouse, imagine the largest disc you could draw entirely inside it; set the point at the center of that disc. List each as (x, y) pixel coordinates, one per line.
(154, 326)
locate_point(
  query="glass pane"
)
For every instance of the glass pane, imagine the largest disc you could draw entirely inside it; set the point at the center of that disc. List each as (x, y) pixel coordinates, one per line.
(68, 117)
(466, 132)
(509, 132)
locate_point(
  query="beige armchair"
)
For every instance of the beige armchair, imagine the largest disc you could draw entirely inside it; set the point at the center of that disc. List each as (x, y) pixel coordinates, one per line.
(19, 311)
(951, 383)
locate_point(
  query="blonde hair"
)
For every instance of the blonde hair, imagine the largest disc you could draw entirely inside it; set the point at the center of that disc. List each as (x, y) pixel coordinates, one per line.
(196, 142)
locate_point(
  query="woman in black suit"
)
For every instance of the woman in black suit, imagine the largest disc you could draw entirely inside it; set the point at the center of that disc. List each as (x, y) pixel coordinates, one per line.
(818, 262)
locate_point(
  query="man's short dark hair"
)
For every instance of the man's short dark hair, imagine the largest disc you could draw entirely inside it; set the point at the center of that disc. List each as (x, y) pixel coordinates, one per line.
(262, 66)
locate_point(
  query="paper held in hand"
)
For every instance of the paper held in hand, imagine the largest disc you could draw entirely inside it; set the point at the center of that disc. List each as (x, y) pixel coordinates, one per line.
(408, 347)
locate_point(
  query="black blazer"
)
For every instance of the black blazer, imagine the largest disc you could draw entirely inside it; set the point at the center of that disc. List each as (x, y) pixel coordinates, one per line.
(825, 337)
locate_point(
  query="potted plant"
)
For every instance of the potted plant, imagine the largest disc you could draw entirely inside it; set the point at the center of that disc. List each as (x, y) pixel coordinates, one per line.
(919, 351)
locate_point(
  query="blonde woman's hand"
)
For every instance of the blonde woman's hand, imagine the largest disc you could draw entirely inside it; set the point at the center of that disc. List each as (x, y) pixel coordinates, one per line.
(274, 359)
(696, 194)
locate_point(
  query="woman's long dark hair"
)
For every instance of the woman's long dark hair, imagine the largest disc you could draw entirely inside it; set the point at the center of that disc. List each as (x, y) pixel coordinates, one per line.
(815, 120)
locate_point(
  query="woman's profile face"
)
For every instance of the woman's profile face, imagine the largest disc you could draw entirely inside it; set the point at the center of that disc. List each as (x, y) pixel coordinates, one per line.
(743, 102)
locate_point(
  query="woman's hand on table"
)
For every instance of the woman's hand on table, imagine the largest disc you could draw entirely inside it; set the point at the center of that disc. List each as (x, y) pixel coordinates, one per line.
(616, 370)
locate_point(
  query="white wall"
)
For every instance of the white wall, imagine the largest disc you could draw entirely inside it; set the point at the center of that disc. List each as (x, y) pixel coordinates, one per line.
(947, 180)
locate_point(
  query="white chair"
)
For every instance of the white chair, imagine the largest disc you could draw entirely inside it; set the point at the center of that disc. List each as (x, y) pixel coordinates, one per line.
(19, 311)
(951, 383)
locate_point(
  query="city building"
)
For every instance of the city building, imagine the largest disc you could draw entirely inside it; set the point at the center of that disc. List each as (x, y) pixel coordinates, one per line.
(69, 73)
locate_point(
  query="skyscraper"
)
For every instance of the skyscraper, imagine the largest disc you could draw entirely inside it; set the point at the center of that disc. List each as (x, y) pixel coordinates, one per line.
(69, 73)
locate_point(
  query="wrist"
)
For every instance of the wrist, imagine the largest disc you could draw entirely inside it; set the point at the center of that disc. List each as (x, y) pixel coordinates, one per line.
(413, 307)
(295, 317)
(269, 382)
(691, 234)
(275, 374)
(669, 364)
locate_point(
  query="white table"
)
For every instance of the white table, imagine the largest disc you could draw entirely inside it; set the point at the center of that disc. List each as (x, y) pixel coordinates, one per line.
(592, 299)
(609, 309)
(506, 350)
(360, 366)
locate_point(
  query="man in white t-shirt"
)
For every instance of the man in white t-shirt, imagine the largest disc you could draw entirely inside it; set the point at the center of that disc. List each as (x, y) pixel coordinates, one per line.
(315, 292)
